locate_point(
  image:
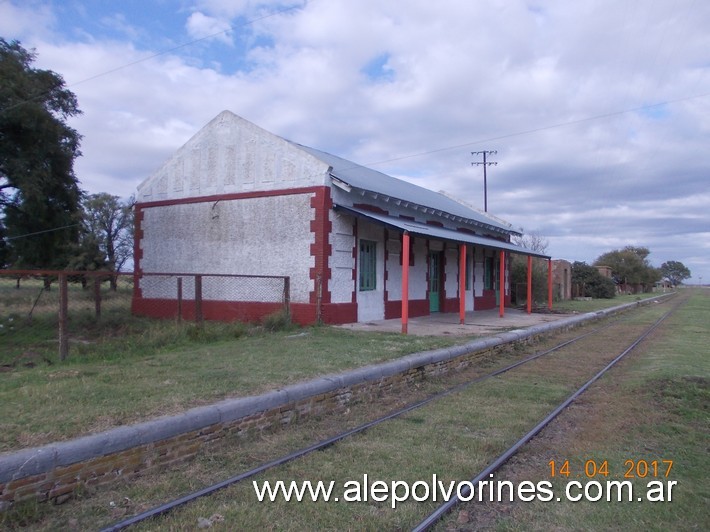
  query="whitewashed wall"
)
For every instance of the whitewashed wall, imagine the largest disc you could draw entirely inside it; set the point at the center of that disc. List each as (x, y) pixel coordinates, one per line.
(470, 267)
(452, 271)
(231, 155)
(418, 272)
(394, 268)
(478, 272)
(342, 262)
(371, 303)
(258, 236)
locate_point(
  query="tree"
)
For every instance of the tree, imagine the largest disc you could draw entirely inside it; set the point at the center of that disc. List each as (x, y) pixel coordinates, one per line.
(86, 257)
(39, 193)
(593, 283)
(532, 241)
(109, 222)
(675, 272)
(630, 267)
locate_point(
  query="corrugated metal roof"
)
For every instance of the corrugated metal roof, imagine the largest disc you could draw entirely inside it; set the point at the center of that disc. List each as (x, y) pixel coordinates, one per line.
(442, 233)
(364, 178)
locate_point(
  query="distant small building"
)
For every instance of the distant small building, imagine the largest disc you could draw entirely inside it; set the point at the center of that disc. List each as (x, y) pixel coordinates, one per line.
(604, 270)
(562, 279)
(663, 286)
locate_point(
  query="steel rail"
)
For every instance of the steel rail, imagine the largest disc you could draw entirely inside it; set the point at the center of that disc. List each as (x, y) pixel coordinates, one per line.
(444, 508)
(168, 506)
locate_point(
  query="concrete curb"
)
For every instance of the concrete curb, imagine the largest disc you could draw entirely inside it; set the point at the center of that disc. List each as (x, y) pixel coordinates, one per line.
(39, 460)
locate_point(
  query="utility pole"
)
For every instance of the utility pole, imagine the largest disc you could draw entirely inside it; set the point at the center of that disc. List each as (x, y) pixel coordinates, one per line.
(485, 179)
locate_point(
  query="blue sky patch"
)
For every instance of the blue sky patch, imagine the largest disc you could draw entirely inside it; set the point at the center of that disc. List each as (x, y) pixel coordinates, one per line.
(377, 69)
(655, 112)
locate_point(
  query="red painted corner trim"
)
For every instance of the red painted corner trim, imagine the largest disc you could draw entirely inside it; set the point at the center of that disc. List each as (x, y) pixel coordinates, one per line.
(321, 249)
(138, 216)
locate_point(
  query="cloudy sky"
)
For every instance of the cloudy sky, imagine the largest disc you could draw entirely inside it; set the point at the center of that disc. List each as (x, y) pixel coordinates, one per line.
(599, 109)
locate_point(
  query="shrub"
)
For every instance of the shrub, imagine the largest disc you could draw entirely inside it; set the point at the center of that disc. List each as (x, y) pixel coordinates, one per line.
(519, 280)
(594, 283)
(277, 321)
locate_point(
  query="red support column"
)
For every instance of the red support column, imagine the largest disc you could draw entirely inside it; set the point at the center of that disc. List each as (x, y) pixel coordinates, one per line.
(549, 284)
(529, 284)
(462, 283)
(405, 282)
(501, 282)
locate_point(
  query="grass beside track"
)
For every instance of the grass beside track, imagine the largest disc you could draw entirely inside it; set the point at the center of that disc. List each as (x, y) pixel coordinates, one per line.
(592, 305)
(88, 393)
(133, 369)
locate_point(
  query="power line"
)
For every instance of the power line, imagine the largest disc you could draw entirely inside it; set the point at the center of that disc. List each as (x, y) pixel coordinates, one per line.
(42, 232)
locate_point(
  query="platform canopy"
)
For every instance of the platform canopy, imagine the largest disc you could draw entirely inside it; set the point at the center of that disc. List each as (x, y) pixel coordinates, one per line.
(440, 233)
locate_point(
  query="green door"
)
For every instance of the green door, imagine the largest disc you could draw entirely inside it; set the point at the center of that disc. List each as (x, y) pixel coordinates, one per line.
(434, 280)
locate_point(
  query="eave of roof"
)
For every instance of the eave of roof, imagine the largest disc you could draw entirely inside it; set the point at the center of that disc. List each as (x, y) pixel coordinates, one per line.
(366, 181)
(431, 231)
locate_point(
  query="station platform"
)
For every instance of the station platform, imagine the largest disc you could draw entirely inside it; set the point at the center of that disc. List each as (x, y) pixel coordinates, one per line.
(476, 323)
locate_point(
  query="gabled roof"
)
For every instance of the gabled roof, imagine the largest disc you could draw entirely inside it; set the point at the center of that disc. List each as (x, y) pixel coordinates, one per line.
(367, 179)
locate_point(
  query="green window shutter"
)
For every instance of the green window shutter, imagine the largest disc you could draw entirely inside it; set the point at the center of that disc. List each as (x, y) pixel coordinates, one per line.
(488, 274)
(368, 265)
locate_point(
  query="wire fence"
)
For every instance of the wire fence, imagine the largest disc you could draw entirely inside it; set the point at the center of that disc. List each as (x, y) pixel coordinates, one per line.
(43, 313)
(210, 296)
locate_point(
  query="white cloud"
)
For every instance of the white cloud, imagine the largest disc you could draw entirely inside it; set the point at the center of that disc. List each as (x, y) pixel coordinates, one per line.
(201, 26)
(21, 22)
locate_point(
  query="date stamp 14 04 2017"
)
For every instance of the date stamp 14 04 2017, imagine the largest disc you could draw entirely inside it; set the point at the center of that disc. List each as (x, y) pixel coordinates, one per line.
(631, 469)
(603, 481)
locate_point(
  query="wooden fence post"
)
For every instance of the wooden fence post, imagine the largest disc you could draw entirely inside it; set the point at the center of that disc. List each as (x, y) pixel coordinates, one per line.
(97, 296)
(179, 299)
(198, 300)
(63, 312)
(287, 295)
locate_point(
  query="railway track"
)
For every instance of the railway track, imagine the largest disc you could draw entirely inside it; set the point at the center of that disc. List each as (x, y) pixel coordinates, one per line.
(562, 357)
(428, 522)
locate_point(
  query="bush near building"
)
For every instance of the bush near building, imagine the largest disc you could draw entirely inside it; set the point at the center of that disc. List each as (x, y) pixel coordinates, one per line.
(591, 282)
